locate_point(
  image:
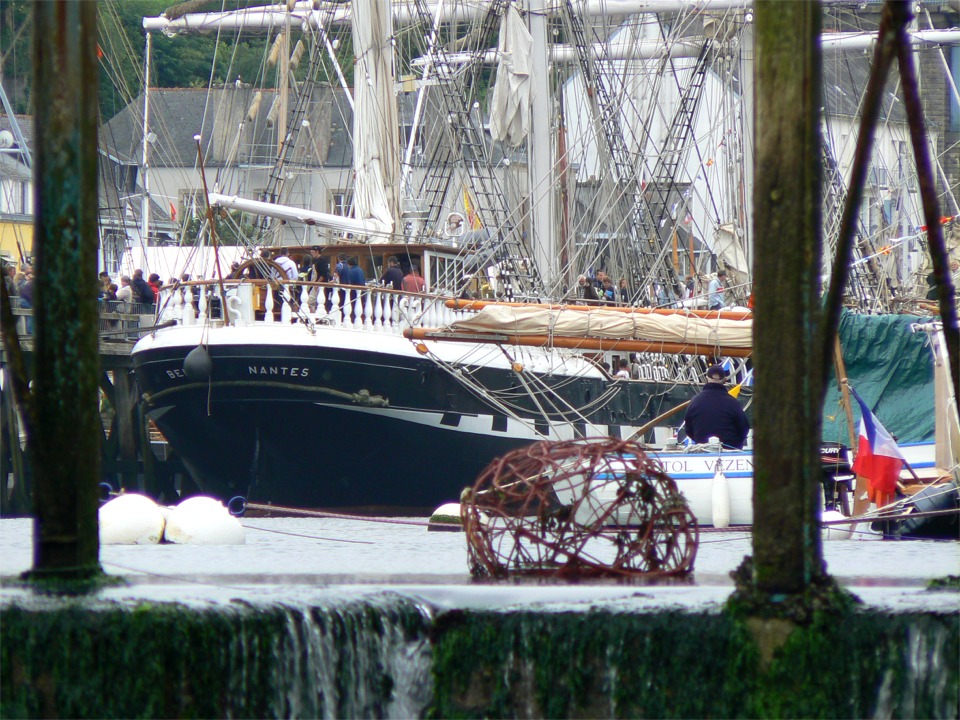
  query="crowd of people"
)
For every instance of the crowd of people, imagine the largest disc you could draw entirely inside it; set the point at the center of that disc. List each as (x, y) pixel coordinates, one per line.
(19, 283)
(599, 289)
(303, 270)
(131, 289)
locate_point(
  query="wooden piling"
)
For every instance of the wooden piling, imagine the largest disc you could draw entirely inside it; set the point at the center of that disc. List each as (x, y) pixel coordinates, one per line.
(65, 443)
(788, 555)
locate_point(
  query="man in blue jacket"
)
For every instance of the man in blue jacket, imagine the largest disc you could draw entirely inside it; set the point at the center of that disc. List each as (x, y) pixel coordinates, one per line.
(716, 413)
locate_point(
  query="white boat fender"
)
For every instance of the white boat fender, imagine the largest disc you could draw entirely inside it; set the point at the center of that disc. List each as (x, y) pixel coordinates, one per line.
(203, 521)
(445, 518)
(720, 498)
(835, 532)
(130, 519)
(197, 365)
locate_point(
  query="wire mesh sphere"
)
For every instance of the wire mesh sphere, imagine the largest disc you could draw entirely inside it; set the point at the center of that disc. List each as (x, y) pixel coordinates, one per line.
(597, 507)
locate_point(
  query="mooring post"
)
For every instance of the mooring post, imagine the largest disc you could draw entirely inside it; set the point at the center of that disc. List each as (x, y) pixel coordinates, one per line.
(65, 443)
(787, 240)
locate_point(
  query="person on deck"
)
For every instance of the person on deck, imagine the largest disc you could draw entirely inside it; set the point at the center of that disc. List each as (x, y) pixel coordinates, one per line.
(142, 291)
(125, 293)
(290, 269)
(609, 292)
(104, 283)
(10, 279)
(26, 295)
(341, 269)
(354, 276)
(392, 276)
(154, 282)
(412, 282)
(586, 290)
(623, 369)
(319, 272)
(715, 291)
(716, 413)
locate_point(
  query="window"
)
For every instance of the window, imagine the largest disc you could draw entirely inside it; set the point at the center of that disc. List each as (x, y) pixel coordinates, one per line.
(341, 202)
(15, 198)
(125, 177)
(878, 177)
(189, 207)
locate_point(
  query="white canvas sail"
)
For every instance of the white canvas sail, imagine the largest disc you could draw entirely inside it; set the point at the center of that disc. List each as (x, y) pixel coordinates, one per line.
(727, 247)
(375, 119)
(510, 106)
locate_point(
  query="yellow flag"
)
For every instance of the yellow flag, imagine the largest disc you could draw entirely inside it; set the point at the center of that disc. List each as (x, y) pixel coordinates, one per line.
(473, 220)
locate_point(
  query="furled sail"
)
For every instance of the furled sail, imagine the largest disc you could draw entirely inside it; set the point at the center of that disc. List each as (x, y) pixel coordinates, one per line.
(729, 251)
(510, 105)
(679, 328)
(375, 118)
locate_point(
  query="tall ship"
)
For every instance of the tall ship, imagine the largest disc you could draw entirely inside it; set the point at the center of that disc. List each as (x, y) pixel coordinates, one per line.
(557, 188)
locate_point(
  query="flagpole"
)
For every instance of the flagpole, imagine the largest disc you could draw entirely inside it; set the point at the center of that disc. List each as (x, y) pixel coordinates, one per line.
(844, 389)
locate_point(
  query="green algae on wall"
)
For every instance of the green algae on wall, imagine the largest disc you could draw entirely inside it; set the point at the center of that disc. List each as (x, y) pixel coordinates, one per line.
(385, 656)
(677, 664)
(86, 660)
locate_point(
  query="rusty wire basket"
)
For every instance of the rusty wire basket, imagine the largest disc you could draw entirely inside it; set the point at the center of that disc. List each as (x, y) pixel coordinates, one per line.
(596, 507)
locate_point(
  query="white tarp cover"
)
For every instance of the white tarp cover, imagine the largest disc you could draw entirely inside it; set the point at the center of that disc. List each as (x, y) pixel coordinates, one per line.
(375, 117)
(513, 91)
(610, 324)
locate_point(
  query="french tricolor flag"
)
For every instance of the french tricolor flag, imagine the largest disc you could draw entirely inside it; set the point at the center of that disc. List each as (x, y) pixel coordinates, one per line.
(878, 456)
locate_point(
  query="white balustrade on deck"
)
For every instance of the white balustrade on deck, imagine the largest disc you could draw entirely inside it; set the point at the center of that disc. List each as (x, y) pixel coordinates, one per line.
(371, 309)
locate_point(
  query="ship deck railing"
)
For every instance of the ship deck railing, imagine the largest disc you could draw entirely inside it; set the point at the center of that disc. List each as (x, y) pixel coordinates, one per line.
(251, 302)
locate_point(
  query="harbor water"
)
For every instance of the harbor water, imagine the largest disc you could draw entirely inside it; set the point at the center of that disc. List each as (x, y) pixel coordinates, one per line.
(312, 553)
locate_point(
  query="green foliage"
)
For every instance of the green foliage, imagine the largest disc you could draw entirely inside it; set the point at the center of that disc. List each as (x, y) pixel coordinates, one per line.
(231, 230)
(16, 32)
(822, 595)
(183, 61)
(950, 583)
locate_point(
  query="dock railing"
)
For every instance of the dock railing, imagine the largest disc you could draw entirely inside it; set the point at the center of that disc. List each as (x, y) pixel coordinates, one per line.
(119, 321)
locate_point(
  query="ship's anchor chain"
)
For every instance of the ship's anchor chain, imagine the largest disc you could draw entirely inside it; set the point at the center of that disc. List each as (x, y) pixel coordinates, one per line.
(598, 507)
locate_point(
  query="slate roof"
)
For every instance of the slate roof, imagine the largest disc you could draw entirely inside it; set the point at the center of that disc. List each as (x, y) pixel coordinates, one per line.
(10, 162)
(845, 79)
(177, 115)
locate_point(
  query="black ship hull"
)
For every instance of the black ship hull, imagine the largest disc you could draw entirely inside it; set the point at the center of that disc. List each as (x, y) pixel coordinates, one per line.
(350, 421)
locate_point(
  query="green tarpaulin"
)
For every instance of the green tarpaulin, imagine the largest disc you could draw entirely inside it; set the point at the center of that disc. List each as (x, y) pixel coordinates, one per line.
(891, 368)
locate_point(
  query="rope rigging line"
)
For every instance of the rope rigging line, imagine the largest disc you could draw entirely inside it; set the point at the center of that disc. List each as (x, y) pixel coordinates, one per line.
(335, 515)
(309, 537)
